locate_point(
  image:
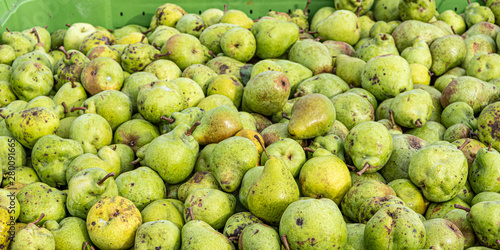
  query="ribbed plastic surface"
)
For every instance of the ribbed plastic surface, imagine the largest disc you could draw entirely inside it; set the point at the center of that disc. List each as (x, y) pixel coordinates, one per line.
(23, 14)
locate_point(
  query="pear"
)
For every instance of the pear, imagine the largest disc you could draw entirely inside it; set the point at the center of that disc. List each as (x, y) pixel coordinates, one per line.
(159, 98)
(33, 237)
(412, 108)
(478, 44)
(8, 54)
(459, 218)
(373, 153)
(349, 69)
(158, 234)
(27, 126)
(438, 210)
(237, 17)
(274, 37)
(331, 143)
(230, 160)
(101, 74)
(395, 226)
(70, 67)
(37, 198)
(418, 53)
(279, 192)
(21, 43)
(191, 24)
(381, 27)
(458, 112)
(238, 43)
(160, 35)
(355, 236)
(484, 172)
(288, 150)
(135, 57)
(327, 84)
(483, 62)
(114, 216)
(237, 223)
(92, 131)
(133, 84)
(443, 60)
(99, 37)
(211, 36)
(209, 205)
(409, 194)
(312, 54)
(381, 81)
(106, 158)
(320, 107)
(185, 50)
(265, 65)
(198, 234)
(86, 188)
(319, 16)
(366, 24)
(201, 179)
(141, 186)
(450, 160)
(164, 209)
(135, 133)
(482, 28)
(458, 90)
(187, 116)
(70, 95)
(431, 132)
(334, 187)
(341, 25)
(373, 204)
(173, 168)
(212, 16)
(441, 232)
(225, 65)
(381, 44)
(168, 14)
(51, 157)
(6, 221)
(259, 236)
(70, 233)
(191, 91)
(218, 124)
(352, 109)
(75, 35)
(302, 223)
(420, 10)
(404, 147)
(104, 51)
(456, 132)
(213, 101)
(201, 74)
(31, 79)
(407, 31)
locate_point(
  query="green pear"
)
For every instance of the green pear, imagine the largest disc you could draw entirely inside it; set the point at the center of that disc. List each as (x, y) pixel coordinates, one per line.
(317, 105)
(70, 67)
(274, 37)
(96, 38)
(366, 24)
(319, 16)
(381, 44)
(238, 43)
(135, 133)
(70, 233)
(482, 28)
(280, 192)
(20, 42)
(412, 108)
(289, 151)
(191, 24)
(237, 223)
(164, 209)
(352, 109)
(313, 222)
(168, 14)
(191, 91)
(230, 160)
(381, 82)
(133, 84)
(212, 35)
(395, 226)
(485, 196)
(458, 90)
(373, 153)
(135, 57)
(265, 65)
(483, 217)
(8, 54)
(438, 210)
(26, 127)
(227, 85)
(31, 79)
(259, 236)
(474, 13)
(312, 54)
(407, 31)
(478, 44)
(86, 188)
(104, 51)
(458, 112)
(173, 155)
(213, 101)
(225, 65)
(33, 237)
(6, 224)
(456, 132)
(450, 161)
(373, 204)
(382, 27)
(187, 116)
(92, 131)
(218, 124)
(355, 236)
(198, 234)
(443, 233)
(159, 98)
(443, 59)
(18, 177)
(484, 62)
(484, 172)
(158, 234)
(409, 194)
(237, 17)
(75, 35)
(349, 69)
(341, 25)
(212, 16)
(141, 186)
(330, 142)
(113, 216)
(459, 218)
(201, 74)
(209, 205)
(106, 158)
(185, 50)
(201, 179)
(327, 84)
(431, 132)
(417, 10)
(418, 52)
(37, 198)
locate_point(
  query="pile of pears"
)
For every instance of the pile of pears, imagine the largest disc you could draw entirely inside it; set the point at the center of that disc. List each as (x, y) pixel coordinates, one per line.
(363, 125)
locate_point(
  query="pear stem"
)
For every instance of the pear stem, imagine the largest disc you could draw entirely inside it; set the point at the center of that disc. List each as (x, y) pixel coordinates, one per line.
(296, 94)
(101, 181)
(285, 116)
(64, 51)
(391, 115)
(468, 1)
(212, 54)
(464, 144)
(68, 25)
(431, 73)
(142, 38)
(190, 131)
(307, 6)
(234, 238)
(145, 32)
(308, 149)
(304, 37)
(256, 20)
(72, 82)
(283, 237)
(225, 8)
(419, 124)
(2, 116)
(135, 161)
(498, 241)
(77, 108)
(114, 147)
(39, 218)
(318, 38)
(199, 27)
(312, 32)
(160, 55)
(489, 148)
(33, 31)
(167, 119)
(8, 30)
(261, 144)
(65, 108)
(362, 171)
(190, 211)
(359, 11)
(453, 29)
(351, 168)
(462, 207)
(85, 244)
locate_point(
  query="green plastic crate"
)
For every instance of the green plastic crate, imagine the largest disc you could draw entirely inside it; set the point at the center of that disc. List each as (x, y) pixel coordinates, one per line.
(23, 14)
